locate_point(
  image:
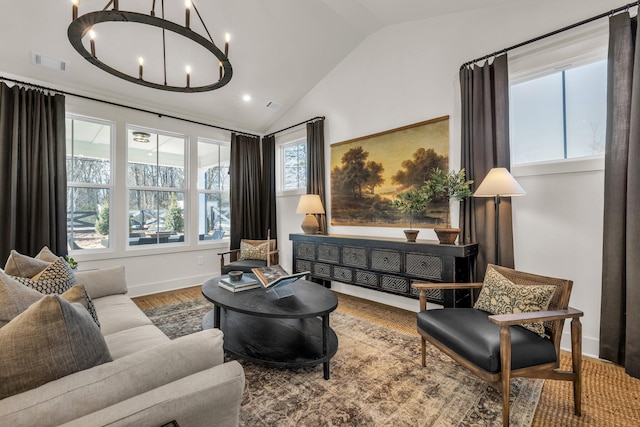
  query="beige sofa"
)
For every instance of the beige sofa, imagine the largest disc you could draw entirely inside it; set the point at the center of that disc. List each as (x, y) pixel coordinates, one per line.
(151, 381)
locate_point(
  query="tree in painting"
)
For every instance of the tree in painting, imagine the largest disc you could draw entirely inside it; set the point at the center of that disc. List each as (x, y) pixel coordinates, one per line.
(418, 169)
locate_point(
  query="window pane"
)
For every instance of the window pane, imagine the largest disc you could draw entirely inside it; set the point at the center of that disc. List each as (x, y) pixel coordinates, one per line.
(536, 120)
(295, 166)
(213, 166)
(88, 151)
(170, 162)
(156, 217)
(142, 159)
(586, 94)
(213, 219)
(88, 218)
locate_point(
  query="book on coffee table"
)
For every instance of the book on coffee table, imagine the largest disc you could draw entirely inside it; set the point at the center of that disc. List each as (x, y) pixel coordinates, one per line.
(244, 284)
(274, 275)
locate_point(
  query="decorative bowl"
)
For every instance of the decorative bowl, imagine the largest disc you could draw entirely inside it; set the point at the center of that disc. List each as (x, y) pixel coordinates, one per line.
(234, 276)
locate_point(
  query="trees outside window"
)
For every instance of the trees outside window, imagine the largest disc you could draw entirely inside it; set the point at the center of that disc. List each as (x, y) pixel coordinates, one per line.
(213, 190)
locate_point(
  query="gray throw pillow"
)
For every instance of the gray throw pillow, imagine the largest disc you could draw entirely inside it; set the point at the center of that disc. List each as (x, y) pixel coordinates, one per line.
(49, 340)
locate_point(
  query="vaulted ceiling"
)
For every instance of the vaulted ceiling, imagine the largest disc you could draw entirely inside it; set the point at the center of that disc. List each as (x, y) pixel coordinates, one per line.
(279, 50)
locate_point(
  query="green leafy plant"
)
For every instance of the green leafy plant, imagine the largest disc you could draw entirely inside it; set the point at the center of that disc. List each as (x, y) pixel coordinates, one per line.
(72, 262)
(173, 219)
(444, 185)
(102, 222)
(410, 202)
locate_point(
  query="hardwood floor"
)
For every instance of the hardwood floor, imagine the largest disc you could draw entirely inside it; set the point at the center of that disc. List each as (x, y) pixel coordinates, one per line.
(610, 397)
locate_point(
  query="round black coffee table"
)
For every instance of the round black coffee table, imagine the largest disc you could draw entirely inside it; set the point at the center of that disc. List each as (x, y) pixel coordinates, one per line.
(286, 333)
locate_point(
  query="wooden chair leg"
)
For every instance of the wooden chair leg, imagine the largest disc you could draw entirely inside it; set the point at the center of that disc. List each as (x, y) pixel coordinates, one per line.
(576, 358)
(505, 371)
(423, 348)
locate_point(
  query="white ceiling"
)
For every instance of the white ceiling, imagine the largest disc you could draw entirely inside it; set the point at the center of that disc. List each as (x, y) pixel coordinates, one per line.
(279, 50)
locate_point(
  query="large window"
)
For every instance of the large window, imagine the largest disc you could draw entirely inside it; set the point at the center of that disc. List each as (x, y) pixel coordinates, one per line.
(89, 182)
(293, 161)
(213, 189)
(156, 181)
(560, 115)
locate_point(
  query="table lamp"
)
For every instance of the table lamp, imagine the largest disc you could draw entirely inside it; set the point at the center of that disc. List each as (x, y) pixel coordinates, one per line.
(499, 183)
(310, 204)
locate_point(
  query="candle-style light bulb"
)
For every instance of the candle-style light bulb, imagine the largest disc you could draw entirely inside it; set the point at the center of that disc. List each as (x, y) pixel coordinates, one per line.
(188, 70)
(187, 13)
(92, 40)
(227, 38)
(140, 64)
(74, 9)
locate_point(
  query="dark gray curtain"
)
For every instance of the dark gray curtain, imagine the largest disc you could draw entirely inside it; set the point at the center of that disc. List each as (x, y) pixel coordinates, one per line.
(33, 174)
(269, 185)
(245, 203)
(485, 145)
(316, 167)
(620, 313)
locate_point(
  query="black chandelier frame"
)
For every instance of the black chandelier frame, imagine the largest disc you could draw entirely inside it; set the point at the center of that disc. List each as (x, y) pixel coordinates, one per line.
(81, 25)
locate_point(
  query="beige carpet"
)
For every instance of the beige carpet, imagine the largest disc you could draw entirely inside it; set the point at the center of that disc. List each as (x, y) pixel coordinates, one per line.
(376, 380)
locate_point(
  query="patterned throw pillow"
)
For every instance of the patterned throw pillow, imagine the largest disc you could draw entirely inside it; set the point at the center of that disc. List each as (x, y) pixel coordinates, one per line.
(57, 278)
(500, 295)
(49, 340)
(254, 249)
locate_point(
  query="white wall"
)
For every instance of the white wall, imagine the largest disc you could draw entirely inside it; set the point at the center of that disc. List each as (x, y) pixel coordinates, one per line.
(408, 73)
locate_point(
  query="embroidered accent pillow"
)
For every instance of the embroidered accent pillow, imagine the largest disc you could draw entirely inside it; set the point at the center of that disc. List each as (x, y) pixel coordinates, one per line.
(500, 295)
(49, 340)
(253, 249)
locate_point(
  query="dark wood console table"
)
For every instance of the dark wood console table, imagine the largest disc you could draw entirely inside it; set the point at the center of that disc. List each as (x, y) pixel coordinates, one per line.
(386, 264)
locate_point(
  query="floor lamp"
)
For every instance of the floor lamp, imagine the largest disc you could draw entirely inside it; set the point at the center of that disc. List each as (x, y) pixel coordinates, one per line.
(499, 183)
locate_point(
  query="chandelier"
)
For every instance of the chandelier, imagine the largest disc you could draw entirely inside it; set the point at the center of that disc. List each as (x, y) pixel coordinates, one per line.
(84, 35)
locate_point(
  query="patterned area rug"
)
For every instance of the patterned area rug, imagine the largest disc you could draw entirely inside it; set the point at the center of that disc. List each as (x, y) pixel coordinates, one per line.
(376, 380)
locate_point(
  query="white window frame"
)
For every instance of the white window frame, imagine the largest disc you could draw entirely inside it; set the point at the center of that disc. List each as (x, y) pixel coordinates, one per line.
(571, 49)
(202, 191)
(281, 191)
(185, 189)
(110, 187)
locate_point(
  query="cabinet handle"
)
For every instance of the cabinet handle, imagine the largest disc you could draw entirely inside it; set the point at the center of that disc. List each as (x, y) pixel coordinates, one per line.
(423, 264)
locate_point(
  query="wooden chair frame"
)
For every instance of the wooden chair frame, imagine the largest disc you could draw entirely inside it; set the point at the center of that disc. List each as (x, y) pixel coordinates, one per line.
(272, 253)
(553, 319)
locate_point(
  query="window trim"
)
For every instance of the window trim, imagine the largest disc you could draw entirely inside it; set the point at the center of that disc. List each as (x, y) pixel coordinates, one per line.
(281, 191)
(110, 187)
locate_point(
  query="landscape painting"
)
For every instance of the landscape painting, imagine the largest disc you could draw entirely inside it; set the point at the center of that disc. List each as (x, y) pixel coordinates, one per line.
(368, 172)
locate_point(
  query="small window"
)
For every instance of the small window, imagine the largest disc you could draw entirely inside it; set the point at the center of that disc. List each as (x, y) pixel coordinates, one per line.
(293, 161)
(88, 147)
(213, 190)
(156, 180)
(559, 116)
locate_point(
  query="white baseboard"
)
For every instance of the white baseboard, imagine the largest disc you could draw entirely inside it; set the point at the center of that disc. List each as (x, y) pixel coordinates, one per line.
(590, 346)
(169, 285)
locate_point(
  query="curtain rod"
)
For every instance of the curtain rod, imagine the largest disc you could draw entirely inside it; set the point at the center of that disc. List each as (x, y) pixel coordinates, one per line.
(553, 33)
(297, 124)
(123, 106)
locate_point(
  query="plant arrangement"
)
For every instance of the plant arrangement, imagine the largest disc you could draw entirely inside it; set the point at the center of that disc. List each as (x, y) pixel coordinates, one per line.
(447, 186)
(72, 262)
(410, 202)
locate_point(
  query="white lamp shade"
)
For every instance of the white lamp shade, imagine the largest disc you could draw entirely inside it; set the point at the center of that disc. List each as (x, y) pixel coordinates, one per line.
(310, 204)
(499, 182)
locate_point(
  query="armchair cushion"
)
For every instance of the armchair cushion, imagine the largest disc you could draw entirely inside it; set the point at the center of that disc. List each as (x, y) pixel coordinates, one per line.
(254, 249)
(468, 332)
(500, 295)
(245, 265)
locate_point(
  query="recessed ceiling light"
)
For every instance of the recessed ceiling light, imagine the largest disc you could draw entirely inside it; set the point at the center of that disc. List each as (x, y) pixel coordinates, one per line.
(246, 98)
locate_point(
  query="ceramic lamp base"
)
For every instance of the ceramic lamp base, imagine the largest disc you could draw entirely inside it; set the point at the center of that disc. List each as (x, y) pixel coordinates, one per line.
(310, 224)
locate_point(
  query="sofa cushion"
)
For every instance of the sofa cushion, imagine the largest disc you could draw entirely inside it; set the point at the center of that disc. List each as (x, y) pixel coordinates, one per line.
(23, 265)
(131, 340)
(118, 312)
(49, 340)
(500, 295)
(103, 282)
(469, 333)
